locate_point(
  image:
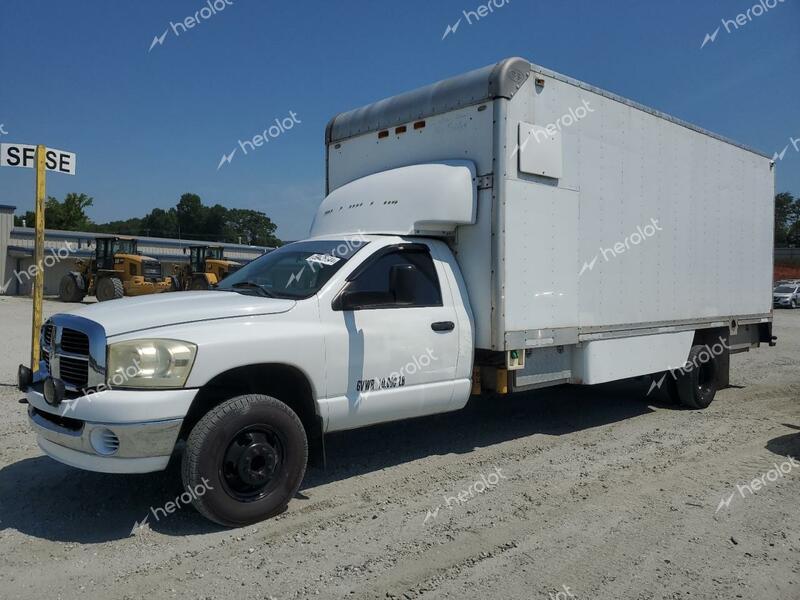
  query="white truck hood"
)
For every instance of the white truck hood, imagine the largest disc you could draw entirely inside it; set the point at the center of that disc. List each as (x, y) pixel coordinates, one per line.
(173, 308)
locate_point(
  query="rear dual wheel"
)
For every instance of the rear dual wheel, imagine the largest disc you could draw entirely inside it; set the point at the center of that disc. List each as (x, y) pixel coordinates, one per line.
(695, 385)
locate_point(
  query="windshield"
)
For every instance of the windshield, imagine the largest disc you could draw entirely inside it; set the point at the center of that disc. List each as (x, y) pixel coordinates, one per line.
(784, 289)
(124, 247)
(294, 271)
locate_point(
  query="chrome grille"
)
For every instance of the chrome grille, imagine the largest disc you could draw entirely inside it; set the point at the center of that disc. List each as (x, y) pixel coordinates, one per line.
(74, 342)
(74, 371)
(74, 351)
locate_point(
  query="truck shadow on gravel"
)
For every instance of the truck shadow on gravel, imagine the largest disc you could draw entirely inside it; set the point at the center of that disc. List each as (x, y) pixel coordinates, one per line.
(43, 498)
(786, 445)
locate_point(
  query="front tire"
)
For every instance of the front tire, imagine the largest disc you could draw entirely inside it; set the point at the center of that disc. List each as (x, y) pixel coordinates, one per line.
(697, 383)
(249, 455)
(109, 288)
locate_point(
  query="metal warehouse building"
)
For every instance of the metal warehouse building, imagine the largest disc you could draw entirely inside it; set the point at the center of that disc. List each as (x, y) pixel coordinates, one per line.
(64, 248)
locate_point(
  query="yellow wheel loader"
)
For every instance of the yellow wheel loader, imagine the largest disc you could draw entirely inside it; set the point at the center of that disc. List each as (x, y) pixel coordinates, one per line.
(207, 267)
(116, 270)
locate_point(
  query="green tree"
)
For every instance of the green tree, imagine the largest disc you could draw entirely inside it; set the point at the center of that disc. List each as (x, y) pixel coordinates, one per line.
(160, 223)
(191, 215)
(69, 215)
(793, 224)
(250, 227)
(190, 219)
(784, 205)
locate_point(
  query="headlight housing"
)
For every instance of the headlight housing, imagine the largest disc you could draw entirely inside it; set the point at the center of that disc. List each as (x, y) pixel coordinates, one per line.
(152, 363)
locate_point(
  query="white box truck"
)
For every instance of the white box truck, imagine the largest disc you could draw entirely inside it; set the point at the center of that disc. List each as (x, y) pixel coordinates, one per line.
(504, 230)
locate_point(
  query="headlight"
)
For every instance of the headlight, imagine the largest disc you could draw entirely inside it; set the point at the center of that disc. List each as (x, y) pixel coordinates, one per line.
(150, 363)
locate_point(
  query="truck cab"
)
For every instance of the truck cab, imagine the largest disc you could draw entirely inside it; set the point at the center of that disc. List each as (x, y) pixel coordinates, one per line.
(330, 333)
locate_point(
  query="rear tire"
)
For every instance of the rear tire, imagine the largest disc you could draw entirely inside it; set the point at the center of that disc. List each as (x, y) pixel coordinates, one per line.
(109, 288)
(69, 290)
(697, 383)
(793, 304)
(249, 456)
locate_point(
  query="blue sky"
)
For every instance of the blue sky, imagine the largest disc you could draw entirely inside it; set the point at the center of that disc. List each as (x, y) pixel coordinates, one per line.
(150, 125)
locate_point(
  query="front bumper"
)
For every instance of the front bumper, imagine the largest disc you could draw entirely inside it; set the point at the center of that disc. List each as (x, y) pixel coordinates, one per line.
(142, 447)
(73, 431)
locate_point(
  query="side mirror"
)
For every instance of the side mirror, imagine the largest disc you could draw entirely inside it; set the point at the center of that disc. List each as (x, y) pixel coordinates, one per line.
(350, 300)
(403, 283)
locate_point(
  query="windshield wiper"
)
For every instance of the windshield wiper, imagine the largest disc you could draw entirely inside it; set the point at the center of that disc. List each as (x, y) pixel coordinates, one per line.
(255, 286)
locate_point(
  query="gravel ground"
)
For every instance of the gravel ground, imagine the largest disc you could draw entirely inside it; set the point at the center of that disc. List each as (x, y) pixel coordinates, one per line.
(584, 492)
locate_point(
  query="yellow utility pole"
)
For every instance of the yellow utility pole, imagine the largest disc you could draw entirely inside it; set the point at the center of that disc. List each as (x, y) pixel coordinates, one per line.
(38, 253)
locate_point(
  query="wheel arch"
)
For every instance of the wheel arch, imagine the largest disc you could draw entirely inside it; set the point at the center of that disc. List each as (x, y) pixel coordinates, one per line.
(285, 382)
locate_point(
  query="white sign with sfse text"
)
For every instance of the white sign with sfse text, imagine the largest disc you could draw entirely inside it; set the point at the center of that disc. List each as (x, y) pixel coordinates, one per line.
(24, 155)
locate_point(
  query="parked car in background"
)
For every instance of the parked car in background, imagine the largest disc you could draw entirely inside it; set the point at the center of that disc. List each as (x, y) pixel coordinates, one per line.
(786, 295)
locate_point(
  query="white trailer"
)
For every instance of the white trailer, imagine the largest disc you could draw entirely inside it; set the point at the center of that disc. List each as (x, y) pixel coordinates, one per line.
(500, 231)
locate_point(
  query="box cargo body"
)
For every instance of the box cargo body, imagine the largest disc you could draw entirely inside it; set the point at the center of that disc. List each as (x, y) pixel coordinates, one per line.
(595, 217)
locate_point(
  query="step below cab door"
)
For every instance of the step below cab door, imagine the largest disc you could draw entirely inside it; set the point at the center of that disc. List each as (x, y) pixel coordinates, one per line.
(393, 347)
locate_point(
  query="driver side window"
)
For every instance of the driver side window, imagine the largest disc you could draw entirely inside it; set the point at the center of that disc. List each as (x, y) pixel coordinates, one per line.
(398, 279)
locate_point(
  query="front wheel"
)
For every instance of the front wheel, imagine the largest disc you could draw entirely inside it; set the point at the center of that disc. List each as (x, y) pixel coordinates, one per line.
(245, 459)
(109, 288)
(793, 304)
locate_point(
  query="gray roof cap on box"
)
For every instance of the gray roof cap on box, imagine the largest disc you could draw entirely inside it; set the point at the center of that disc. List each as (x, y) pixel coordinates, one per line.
(500, 80)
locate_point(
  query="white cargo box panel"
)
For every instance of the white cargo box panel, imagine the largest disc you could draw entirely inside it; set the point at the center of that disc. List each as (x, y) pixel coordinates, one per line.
(594, 214)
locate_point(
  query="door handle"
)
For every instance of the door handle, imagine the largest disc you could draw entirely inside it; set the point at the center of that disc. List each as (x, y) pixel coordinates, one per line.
(443, 326)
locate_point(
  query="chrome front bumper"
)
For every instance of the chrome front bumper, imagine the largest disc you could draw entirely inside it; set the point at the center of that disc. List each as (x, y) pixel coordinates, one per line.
(142, 447)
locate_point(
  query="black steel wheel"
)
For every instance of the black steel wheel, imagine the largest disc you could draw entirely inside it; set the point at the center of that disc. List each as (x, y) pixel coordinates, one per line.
(697, 383)
(245, 460)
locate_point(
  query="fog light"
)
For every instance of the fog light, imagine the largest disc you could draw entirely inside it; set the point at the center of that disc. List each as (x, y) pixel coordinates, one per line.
(53, 391)
(104, 441)
(24, 378)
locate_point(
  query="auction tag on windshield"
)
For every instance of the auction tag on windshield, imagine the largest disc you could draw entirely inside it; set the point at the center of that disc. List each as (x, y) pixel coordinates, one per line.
(323, 259)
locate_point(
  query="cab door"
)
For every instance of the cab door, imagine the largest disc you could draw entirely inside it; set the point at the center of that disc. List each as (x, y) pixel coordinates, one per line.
(393, 349)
